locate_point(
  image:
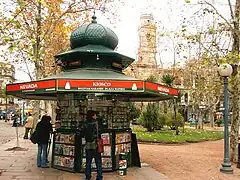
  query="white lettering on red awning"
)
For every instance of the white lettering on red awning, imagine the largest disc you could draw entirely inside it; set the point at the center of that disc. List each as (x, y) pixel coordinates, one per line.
(102, 84)
(163, 89)
(28, 86)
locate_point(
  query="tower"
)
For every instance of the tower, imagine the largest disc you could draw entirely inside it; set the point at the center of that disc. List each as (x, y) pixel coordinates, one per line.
(147, 41)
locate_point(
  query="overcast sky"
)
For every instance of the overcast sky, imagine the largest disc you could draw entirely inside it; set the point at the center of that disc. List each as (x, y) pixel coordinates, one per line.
(167, 13)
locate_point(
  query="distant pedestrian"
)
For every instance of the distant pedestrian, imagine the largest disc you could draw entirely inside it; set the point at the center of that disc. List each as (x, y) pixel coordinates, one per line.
(25, 118)
(28, 126)
(43, 130)
(16, 120)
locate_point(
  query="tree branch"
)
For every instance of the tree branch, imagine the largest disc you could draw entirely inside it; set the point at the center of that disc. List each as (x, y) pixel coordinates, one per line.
(220, 15)
(14, 17)
(231, 10)
(60, 17)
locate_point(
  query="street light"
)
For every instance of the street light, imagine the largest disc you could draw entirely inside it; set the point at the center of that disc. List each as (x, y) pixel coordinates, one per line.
(225, 70)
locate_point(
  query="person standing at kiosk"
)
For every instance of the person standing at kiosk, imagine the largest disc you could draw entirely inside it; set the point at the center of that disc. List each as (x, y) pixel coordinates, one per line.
(90, 132)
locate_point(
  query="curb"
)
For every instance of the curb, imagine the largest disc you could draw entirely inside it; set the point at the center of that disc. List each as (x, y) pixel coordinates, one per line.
(173, 143)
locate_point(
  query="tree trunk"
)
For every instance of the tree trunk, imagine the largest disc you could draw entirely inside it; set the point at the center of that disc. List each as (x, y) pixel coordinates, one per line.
(196, 118)
(37, 61)
(200, 119)
(175, 115)
(235, 121)
(211, 118)
(185, 118)
(36, 107)
(235, 87)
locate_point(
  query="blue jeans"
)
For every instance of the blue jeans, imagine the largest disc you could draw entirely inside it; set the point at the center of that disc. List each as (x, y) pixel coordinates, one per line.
(90, 154)
(42, 155)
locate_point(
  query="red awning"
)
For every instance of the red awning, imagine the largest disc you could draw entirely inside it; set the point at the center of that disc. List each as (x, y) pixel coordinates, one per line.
(136, 90)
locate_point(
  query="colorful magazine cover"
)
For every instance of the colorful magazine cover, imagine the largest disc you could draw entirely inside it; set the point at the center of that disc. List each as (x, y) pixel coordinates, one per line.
(57, 137)
(71, 139)
(106, 138)
(59, 149)
(128, 137)
(64, 161)
(69, 162)
(83, 163)
(107, 162)
(62, 138)
(57, 161)
(107, 151)
(119, 149)
(71, 150)
(118, 138)
(65, 150)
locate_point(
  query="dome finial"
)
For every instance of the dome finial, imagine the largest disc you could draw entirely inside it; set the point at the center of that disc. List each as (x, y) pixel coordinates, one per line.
(94, 17)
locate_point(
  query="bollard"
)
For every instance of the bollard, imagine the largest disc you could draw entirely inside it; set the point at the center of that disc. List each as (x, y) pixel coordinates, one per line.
(238, 163)
(123, 164)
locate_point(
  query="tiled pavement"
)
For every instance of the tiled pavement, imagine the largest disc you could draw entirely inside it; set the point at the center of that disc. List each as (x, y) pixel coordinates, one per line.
(21, 165)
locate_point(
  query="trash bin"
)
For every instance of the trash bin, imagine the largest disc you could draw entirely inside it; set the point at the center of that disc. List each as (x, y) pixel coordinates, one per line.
(123, 164)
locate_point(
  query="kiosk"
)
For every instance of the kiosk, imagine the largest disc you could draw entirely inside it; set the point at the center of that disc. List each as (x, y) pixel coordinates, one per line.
(92, 78)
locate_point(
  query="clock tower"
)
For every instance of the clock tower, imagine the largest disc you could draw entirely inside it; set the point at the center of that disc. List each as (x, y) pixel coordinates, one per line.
(147, 41)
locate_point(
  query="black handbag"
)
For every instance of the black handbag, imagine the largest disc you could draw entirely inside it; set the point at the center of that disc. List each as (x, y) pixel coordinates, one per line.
(34, 137)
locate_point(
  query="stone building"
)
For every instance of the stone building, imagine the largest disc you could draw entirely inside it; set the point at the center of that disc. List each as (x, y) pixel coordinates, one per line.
(146, 63)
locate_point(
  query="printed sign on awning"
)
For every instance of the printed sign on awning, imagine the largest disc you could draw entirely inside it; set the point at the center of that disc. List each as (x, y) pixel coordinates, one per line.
(34, 86)
(100, 85)
(158, 88)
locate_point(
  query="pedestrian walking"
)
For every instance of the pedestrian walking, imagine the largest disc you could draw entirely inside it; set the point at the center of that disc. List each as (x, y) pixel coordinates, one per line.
(43, 130)
(91, 132)
(28, 126)
(16, 120)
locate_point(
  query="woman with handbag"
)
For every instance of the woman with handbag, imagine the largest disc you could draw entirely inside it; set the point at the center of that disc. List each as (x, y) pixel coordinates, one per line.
(91, 132)
(43, 130)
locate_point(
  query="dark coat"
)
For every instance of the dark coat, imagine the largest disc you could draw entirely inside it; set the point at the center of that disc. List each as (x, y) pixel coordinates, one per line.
(43, 129)
(89, 130)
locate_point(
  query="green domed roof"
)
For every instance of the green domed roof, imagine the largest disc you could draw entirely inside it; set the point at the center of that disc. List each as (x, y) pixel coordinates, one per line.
(95, 34)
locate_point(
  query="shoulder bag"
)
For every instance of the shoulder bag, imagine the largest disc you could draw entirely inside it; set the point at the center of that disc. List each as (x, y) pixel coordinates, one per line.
(34, 137)
(100, 147)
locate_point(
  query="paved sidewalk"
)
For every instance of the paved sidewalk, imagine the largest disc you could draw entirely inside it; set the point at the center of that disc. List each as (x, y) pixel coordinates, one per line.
(21, 165)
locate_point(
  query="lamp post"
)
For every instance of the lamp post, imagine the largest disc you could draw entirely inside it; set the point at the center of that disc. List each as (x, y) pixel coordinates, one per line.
(225, 70)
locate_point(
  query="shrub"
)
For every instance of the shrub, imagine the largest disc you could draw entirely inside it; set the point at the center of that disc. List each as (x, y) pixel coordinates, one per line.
(133, 111)
(161, 121)
(170, 120)
(149, 117)
(219, 122)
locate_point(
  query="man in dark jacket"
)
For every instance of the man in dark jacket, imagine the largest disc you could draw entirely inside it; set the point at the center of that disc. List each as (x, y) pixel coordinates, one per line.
(91, 132)
(43, 130)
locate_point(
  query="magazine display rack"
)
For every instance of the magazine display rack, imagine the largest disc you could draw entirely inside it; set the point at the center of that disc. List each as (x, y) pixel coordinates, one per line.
(64, 151)
(122, 145)
(106, 155)
(69, 146)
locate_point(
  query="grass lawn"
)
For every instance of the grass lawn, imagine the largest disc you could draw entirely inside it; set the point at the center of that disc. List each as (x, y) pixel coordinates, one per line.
(168, 136)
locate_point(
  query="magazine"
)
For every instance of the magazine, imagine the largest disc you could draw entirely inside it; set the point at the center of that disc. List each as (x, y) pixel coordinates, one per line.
(106, 162)
(83, 163)
(64, 161)
(71, 139)
(106, 138)
(107, 151)
(59, 149)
